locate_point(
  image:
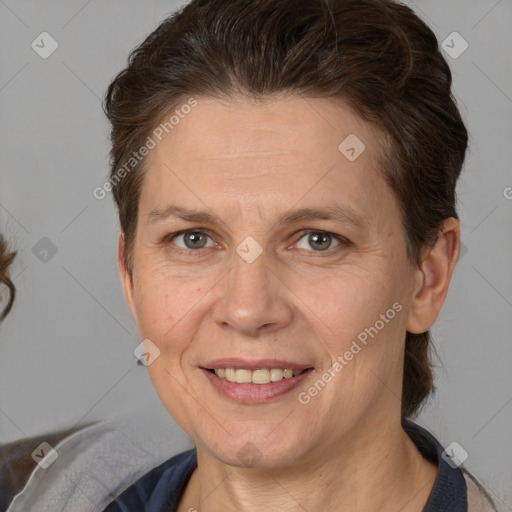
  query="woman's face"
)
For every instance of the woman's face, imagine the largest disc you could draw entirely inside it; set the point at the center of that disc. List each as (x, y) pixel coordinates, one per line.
(263, 243)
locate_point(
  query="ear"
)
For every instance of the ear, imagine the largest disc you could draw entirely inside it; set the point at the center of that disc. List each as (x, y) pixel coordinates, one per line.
(433, 278)
(126, 277)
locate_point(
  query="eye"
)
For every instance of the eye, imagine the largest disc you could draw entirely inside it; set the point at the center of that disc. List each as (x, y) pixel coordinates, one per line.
(191, 240)
(320, 241)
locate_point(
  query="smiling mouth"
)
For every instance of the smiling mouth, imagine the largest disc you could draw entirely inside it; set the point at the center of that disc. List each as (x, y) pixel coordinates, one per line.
(256, 385)
(259, 376)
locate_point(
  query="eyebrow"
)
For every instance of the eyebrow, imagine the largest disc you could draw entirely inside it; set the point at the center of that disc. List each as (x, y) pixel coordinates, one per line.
(337, 213)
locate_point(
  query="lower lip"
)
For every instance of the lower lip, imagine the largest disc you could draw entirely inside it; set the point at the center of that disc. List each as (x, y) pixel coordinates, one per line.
(255, 393)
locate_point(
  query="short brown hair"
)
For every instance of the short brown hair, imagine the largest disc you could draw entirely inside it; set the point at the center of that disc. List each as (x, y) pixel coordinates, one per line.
(377, 55)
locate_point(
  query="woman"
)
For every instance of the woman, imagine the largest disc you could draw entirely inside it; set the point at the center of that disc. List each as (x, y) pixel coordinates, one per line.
(285, 177)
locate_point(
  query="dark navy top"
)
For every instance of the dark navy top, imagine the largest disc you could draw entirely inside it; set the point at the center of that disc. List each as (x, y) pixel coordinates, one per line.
(161, 489)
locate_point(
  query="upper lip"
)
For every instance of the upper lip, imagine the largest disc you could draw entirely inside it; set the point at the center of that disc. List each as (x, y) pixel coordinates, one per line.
(254, 365)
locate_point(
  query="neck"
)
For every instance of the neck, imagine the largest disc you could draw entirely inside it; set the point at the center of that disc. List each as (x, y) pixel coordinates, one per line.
(380, 470)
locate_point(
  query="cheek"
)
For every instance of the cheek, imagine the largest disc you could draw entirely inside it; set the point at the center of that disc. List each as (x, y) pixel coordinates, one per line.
(167, 307)
(169, 312)
(346, 304)
(155, 306)
(360, 320)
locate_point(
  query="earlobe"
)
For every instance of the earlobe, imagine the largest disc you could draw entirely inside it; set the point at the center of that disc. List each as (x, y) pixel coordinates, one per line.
(125, 275)
(433, 278)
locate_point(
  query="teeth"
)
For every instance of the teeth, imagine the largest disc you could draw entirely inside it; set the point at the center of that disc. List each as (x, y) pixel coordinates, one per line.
(230, 374)
(260, 376)
(243, 376)
(276, 374)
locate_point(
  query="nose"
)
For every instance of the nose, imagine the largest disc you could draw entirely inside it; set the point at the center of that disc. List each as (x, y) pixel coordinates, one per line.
(253, 299)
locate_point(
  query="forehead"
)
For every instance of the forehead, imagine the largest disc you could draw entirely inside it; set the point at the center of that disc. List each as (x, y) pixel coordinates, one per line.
(280, 125)
(272, 153)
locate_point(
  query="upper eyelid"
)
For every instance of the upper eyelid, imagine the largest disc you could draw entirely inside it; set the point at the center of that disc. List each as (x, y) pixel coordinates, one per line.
(303, 232)
(339, 238)
(172, 236)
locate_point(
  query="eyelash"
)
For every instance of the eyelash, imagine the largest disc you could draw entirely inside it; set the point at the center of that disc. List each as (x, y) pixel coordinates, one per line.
(343, 242)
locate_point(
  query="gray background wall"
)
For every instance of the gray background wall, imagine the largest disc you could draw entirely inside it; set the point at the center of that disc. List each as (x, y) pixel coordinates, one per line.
(66, 350)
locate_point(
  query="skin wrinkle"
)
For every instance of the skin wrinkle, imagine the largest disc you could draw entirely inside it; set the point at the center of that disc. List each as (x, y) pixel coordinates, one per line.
(286, 304)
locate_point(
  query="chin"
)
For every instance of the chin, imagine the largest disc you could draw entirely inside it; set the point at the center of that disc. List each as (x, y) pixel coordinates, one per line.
(256, 451)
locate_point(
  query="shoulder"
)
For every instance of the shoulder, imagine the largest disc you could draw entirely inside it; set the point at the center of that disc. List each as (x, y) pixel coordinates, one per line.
(479, 499)
(93, 465)
(17, 463)
(162, 486)
(455, 487)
